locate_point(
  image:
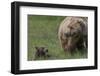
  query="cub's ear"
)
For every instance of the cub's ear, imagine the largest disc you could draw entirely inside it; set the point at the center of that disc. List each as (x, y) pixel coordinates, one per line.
(36, 48)
(46, 50)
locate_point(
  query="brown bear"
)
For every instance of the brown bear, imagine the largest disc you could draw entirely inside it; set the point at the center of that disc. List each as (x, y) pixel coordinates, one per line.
(72, 33)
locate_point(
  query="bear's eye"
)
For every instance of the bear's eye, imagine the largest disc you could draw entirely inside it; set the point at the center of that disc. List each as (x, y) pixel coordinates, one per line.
(76, 36)
(67, 34)
(73, 33)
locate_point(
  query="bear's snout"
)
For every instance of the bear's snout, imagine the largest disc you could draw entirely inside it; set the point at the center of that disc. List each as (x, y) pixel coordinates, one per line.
(70, 48)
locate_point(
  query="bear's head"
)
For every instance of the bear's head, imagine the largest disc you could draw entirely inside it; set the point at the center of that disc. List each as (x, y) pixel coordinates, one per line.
(74, 33)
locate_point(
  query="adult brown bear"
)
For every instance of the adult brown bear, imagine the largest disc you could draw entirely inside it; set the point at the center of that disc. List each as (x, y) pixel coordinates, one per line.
(73, 33)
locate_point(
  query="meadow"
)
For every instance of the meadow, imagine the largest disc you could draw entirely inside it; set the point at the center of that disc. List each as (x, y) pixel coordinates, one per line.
(42, 31)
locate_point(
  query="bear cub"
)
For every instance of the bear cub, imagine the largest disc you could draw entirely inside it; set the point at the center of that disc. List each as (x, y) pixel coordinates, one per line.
(41, 52)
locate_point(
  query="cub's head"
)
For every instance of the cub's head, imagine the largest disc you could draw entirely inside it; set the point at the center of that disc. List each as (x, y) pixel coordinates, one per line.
(41, 51)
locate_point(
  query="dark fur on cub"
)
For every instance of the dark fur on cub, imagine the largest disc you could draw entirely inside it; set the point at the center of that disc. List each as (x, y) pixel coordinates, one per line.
(41, 52)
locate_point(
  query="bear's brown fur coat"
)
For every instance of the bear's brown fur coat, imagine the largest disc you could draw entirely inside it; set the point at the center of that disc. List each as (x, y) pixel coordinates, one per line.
(72, 33)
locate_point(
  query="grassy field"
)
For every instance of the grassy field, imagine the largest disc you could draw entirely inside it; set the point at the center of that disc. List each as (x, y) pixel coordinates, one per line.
(42, 31)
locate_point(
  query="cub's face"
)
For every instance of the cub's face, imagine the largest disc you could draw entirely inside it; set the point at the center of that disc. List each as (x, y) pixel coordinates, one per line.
(41, 51)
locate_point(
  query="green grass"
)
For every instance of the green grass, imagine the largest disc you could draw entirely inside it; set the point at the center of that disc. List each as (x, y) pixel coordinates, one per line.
(42, 31)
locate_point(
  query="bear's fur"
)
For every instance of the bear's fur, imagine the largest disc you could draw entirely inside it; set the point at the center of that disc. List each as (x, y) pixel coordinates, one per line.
(72, 33)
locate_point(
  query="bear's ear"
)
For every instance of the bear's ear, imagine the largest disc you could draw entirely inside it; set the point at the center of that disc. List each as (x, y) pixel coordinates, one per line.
(83, 26)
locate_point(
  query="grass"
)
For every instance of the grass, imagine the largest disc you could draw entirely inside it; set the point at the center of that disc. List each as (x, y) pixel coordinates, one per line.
(42, 31)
